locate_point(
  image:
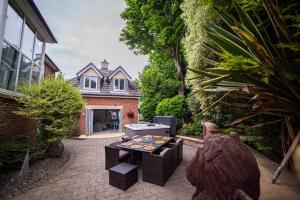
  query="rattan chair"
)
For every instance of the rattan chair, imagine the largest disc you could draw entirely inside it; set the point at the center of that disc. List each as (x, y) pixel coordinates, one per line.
(174, 156)
(114, 156)
(157, 168)
(179, 143)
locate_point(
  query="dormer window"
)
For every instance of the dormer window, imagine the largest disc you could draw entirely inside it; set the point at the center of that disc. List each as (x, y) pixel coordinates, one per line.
(90, 82)
(119, 85)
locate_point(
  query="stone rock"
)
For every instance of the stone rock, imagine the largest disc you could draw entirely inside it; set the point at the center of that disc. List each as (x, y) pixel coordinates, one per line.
(55, 149)
(296, 160)
(223, 168)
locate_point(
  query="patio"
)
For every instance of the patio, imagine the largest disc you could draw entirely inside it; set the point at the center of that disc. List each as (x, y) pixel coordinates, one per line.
(85, 177)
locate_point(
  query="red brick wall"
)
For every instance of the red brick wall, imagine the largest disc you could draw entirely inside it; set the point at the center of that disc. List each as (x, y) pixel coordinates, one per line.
(128, 105)
(48, 71)
(12, 125)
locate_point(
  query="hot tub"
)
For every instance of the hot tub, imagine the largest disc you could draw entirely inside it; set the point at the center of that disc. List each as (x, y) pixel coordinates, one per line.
(147, 129)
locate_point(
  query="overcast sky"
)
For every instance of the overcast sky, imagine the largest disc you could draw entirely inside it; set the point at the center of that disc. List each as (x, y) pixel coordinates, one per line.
(88, 31)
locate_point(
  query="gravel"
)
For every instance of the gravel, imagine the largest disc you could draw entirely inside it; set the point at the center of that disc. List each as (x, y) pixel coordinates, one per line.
(40, 171)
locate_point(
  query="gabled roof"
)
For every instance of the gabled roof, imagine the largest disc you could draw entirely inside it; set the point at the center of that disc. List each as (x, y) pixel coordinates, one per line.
(90, 66)
(51, 64)
(120, 68)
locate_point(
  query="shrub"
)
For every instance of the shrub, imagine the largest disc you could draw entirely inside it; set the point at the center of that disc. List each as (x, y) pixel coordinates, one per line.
(193, 129)
(175, 106)
(13, 152)
(148, 107)
(55, 104)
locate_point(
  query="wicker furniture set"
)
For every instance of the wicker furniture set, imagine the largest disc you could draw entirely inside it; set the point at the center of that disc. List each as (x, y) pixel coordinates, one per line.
(159, 157)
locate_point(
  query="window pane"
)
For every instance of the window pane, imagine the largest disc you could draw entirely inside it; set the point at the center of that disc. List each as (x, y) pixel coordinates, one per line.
(38, 50)
(87, 81)
(93, 82)
(28, 40)
(122, 87)
(116, 84)
(8, 67)
(24, 71)
(13, 27)
(35, 73)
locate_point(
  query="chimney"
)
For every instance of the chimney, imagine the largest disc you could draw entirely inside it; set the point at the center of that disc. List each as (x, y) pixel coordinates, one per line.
(104, 65)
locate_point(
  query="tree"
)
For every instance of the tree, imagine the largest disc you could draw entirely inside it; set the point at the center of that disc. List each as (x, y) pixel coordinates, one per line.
(155, 26)
(175, 106)
(157, 81)
(261, 60)
(55, 104)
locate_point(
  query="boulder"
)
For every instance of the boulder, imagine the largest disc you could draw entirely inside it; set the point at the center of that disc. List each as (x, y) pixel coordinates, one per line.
(223, 168)
(56, 149)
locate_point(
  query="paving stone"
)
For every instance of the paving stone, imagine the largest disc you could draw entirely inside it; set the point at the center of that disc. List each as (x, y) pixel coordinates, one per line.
(87, 179)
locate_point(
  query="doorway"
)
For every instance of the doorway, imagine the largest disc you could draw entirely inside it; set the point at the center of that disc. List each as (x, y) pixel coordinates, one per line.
(101, 121)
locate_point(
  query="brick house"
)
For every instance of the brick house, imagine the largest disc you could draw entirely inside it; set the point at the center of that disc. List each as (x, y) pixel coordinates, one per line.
(50, 67)
(111, 99)
(23, 37)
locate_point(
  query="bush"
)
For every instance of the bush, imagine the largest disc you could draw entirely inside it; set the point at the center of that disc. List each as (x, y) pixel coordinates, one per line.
(13, 152)
(175, 106)
(193, 129)
(148, 107)
(55, 104)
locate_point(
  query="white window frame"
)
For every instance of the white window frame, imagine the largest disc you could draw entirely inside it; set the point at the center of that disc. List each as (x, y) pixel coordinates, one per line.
(89, 88)
(118, 80)
(4, 6)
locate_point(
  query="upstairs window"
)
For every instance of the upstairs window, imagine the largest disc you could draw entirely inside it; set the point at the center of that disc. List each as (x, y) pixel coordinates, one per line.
(119, 85)
(90, 82)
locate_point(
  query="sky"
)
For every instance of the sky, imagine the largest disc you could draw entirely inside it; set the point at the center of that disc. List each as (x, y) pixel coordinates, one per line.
(88, 31)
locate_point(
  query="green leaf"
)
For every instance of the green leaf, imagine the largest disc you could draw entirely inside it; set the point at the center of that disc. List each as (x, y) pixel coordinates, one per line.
(214, 80)
(228, 45)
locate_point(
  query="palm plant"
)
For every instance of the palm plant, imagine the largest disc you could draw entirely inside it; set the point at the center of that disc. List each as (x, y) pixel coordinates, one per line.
(258, 54)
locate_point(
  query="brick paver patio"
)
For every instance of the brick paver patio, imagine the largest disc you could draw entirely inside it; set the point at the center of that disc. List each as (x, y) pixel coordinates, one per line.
(86, 178)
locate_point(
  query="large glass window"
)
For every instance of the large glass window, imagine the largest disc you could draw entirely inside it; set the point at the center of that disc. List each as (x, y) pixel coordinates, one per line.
(24, 71)
(28, 40)
(21, 54)
(35, 73)
(90, 82)
(119, 85)
(8, 67)
(13, 27)
(38, 50)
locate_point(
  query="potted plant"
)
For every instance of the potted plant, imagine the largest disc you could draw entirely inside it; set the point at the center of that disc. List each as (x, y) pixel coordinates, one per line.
(130, 114)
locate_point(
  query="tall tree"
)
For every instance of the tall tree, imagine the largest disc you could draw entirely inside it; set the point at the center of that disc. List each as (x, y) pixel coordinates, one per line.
(155, 25)
(157, 81)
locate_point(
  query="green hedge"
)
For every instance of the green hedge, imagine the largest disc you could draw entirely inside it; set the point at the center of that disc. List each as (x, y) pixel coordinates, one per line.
(13, 152)
(192, 129)
(175, 106)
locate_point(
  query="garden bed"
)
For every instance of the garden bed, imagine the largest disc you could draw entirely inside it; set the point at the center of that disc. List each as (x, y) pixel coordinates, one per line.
(40, 171)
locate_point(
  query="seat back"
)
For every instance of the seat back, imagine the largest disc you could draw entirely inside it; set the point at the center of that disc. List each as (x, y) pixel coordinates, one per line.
(156, 168)
(179, 142)
(111, 156)
(174, 152)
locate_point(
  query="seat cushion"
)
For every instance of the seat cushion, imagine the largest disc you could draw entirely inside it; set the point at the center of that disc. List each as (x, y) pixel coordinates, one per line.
(123, 154)
(123, 168)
